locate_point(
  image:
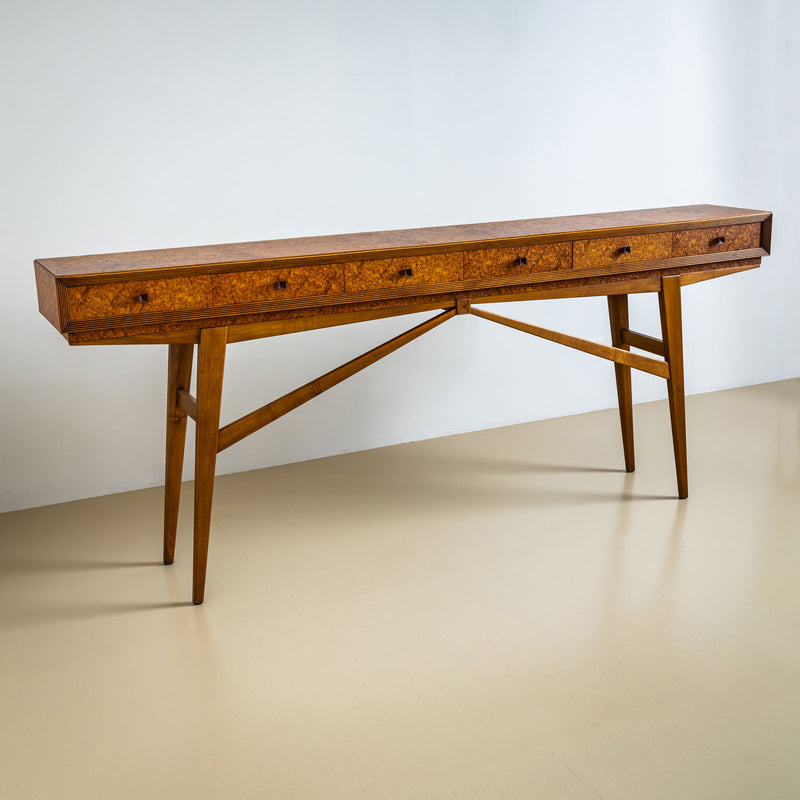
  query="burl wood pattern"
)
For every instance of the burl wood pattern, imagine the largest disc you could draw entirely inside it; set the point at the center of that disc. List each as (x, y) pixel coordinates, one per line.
(704, 240)
(546, 288)
(177, 291)
(584, 226)
(503, 261)
(116, 299)
(277, 284)
(48, 298)
(388, 272)
(599, 252)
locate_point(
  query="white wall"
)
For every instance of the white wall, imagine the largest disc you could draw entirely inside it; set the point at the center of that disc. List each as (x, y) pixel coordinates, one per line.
(157, 124)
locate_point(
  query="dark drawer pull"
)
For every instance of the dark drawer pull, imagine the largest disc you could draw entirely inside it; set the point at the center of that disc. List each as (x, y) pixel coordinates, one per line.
(625, 250)
(282, 284)
(718, 240)
(522, 261)
(142, 298)
(406, 273)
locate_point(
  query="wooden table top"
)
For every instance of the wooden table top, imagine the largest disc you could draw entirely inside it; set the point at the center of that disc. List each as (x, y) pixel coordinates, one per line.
(414, 240)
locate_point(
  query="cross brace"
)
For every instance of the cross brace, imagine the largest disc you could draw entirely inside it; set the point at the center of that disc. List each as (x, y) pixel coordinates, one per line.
(250, 423)
(620, 356)
(211, 439)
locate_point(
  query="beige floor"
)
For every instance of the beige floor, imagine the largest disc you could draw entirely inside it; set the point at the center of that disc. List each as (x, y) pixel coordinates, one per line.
(504, 614)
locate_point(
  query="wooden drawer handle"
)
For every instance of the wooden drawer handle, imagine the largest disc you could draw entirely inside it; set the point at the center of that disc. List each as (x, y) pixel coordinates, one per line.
(406, 273)
(522, 261)
(718, 240)
(625, 250)
(142, 298)
(282, 284)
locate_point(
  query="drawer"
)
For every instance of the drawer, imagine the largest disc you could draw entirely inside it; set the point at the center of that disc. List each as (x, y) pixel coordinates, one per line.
(716, 240)
(508, 261)
(621, 250)
(384, 273)
(253, 286)
(138, 297)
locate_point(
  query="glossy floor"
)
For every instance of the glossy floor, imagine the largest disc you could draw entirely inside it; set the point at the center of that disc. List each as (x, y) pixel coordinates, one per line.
(504, 614)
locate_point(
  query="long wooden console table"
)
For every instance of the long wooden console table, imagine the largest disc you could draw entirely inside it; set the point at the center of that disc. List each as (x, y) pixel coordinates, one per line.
(212, 296)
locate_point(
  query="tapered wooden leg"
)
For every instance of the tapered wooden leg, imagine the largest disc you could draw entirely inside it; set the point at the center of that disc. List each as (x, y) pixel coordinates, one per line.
(210, 365)
(179, 374)
(669, 300)
(618, 317)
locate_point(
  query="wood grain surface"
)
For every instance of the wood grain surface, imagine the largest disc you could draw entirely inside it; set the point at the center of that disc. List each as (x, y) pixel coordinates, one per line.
(252, 286)
(452, 236)
(117, 299)
(669, 302)
(373, 309)
(210, 366)
(502, 261)
(621, 249)
(179, 374)
(102, 305)
(391, 272)
(618, 321)
(706, 240)
(47, 292)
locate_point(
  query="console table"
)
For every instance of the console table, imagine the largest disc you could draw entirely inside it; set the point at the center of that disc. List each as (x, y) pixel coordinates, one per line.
(216, 295)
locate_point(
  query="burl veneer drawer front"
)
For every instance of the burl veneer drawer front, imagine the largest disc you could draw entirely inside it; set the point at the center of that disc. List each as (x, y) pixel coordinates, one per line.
(621, 250)
(716, 240)
(510, 261)
(277, 284)
(386, 273)
(137, 297)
